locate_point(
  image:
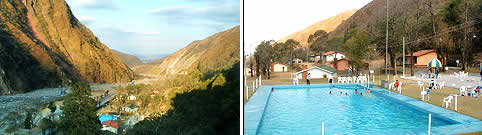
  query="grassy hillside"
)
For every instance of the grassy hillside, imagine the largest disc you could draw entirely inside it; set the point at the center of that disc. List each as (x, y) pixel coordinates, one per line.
(130, 60)
(52, 38)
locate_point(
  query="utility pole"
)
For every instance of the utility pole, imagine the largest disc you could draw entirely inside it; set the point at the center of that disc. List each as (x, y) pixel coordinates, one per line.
(403, 56)
(386, 48)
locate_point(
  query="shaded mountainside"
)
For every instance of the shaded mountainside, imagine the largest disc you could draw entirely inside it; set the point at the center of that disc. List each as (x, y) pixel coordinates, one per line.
(130, 60)
(217, 52)
(42, 43)
(375, 12)
(327, 25)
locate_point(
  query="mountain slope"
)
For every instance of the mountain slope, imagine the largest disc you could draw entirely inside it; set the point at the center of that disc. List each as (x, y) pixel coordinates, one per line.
(328, 25)
(130, 60)
(376, 11)
(53, 44)
(218, 51)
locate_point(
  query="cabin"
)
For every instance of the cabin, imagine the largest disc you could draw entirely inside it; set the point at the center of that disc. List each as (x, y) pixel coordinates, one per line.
(297, 61)
(279, 67)
(320, 71)
(315, 57)
(341, 64)
(421, 58)
(110, 125)
(332, 55)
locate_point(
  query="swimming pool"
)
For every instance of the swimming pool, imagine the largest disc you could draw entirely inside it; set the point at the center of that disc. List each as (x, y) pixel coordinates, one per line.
(302, 109)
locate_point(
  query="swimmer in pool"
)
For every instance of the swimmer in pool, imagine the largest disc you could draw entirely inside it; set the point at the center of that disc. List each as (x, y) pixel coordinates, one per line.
(368, 90)
(341, 93)
(272, 89)
(346, 93)
(331, 93)
(361, 94)
(356, 91)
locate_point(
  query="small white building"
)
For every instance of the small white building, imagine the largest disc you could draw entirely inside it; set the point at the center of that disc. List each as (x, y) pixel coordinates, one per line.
(279, 67)
(320, 71)
(297, 61)
(331, 55)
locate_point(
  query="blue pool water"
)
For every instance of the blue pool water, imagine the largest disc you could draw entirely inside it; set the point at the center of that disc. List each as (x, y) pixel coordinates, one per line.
(302, 111)
(103, 118)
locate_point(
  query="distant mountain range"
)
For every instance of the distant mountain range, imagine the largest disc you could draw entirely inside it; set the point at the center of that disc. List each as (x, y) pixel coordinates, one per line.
(43, 45)
(130, 60)
(149, 58)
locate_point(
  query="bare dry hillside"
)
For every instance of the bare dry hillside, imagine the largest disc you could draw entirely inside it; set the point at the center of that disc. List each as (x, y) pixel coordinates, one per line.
(328, 25)
(219, 51)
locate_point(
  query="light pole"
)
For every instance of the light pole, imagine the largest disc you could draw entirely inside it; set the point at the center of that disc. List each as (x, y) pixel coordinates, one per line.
(386, 48)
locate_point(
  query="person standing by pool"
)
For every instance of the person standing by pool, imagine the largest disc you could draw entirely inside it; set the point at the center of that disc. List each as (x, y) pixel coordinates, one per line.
(436, 73)
(308, 77)
(330, 79)
(396, 84)
(430, 73)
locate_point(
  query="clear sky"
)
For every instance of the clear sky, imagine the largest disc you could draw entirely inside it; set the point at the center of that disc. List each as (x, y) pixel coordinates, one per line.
(153, 27)
(275, 19)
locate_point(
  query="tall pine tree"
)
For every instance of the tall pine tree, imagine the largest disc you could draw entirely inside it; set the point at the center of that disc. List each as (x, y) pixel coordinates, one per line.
(79, 112)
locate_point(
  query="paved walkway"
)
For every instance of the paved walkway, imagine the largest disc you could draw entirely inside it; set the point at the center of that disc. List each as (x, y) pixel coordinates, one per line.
(453, 82)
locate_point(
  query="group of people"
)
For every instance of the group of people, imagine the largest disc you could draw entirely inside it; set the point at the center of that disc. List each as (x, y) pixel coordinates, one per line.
(356, 92)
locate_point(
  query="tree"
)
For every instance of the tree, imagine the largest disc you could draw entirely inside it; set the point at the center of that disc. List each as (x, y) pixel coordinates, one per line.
(318, 41)
(461, 12)
(27, 123)
(264, 56)
(79, 112)
(284, 52)
(356, 47)
(301, 53)
(289, 48)
(46, 125)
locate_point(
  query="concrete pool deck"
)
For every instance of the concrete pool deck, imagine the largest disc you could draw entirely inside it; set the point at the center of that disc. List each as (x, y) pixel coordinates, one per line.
(254, 110)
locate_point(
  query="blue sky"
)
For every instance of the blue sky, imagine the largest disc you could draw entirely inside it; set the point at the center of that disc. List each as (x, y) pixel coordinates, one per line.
(154, 27)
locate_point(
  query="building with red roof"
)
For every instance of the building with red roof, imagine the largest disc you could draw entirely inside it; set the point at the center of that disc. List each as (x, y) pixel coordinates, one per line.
(421, 58)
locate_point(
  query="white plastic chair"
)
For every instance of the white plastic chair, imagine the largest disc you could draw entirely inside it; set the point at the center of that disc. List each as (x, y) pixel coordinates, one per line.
(423, 93)
(348, 79)
(420, 84)
(391, 86)
(447, 101)
(456, 75)
(441, 85)
(399, 88)
(463, 89)
(295, 81)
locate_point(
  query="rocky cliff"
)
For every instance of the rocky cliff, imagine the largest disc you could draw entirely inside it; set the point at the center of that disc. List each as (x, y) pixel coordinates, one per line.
(43, 45)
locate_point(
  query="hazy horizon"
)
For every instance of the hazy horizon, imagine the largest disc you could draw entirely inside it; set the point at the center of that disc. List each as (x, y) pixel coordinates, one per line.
(288, 17)
(155, 27)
